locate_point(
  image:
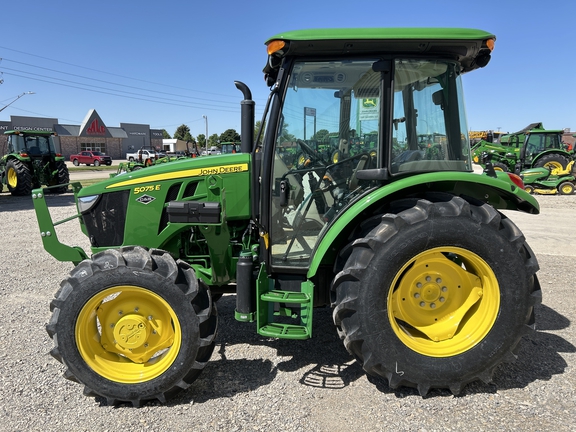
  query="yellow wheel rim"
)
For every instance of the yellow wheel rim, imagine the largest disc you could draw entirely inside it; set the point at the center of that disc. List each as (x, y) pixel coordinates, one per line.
(444, 302)
(552, 165)
(128, 334)
(497, 168)
(567, 189)
(12, 177)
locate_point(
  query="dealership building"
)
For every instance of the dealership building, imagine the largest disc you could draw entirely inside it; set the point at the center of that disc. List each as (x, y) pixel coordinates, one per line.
(92, 134)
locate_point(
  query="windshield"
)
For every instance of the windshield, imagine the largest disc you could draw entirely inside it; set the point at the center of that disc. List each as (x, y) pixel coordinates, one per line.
(335, 122)
(33, 145)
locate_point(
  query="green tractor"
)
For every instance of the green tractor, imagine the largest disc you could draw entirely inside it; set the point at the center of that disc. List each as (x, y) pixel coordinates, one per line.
(32, 160)
(532, 147)
(229, 147)
(431, 286)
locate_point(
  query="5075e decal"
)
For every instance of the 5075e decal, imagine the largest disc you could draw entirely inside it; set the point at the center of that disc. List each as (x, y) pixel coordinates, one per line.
(149, 188)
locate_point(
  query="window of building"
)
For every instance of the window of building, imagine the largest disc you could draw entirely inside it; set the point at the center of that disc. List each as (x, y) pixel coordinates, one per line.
(101, 147)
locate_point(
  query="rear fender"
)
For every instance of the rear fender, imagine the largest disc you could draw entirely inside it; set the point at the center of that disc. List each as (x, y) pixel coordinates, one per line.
(497, 192)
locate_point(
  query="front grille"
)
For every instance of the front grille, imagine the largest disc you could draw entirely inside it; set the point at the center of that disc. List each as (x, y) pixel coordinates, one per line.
(106, 221)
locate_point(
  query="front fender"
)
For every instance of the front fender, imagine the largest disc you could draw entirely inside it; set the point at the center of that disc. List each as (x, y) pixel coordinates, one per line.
(499, 192)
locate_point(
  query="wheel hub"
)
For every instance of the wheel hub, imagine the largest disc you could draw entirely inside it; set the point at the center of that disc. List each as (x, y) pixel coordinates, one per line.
(131, 332)
(435, 302)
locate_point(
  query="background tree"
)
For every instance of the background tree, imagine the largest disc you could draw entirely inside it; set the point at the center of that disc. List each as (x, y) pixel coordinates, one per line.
(321, 135)
(256, 129)
(201, 140)
(183, 133)
(165, 134)
(230, 135)
(213, 140)
(285, 136)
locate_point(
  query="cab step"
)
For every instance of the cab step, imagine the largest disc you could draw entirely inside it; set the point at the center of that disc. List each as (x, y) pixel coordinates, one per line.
(274, 307)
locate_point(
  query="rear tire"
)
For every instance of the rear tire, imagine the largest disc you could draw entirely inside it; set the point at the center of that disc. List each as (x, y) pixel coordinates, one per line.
(18, 178)
(75, 162)
(552, 161)
(425, 263)
(133, 325)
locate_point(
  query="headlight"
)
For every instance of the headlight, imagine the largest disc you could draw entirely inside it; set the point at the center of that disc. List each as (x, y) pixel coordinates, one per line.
(86, 203)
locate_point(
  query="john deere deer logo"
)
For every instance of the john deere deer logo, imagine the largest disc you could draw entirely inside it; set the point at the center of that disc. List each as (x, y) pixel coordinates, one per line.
(369, 103)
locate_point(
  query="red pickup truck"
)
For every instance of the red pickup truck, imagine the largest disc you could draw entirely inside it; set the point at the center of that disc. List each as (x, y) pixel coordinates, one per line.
(95, 158)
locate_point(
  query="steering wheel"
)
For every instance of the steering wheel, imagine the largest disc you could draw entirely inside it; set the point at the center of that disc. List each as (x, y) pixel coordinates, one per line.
(314, 155)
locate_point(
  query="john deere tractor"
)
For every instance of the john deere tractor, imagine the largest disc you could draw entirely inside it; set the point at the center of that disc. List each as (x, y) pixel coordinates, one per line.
(31, 159)
(532, 147)
(431, 286)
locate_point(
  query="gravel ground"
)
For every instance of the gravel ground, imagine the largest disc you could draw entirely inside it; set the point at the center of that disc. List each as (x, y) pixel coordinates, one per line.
(255, 383)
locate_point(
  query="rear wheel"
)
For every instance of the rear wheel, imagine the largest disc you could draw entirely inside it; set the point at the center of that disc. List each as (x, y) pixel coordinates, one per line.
(566, 188)
(133, 325)
(75, 162)
(435, 293)
(552, 161)
(18, 177)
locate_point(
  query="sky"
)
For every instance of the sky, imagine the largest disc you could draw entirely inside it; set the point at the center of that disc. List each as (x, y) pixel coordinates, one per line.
(171, 63)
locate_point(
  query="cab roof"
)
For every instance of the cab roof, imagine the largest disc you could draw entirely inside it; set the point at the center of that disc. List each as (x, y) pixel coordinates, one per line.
(464, 45)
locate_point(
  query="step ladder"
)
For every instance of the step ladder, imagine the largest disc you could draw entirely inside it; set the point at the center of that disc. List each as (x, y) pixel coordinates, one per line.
(274, 306)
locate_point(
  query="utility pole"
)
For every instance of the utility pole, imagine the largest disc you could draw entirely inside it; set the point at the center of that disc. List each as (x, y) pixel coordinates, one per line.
(206, 118)
(19, 96)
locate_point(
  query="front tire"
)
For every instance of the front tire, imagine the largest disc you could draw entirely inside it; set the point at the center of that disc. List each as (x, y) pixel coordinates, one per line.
(566, 188)
(133, 325)
(499, 166)
(62, 177)
(435, 293)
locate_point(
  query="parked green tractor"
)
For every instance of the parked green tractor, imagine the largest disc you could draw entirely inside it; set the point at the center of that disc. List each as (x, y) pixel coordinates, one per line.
(32, 159)
(532, 147)
(431, 285)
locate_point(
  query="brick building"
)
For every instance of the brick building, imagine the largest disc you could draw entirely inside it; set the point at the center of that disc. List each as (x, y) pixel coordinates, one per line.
(92, 134)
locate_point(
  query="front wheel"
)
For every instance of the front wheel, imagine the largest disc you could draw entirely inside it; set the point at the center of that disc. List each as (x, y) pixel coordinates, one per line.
(133, 325)
(499, 166)
(435, 293)
(566, 188)
(96, 163)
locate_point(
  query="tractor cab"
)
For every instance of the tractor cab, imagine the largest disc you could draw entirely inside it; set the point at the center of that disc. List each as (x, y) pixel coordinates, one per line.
(388, 117)
(34, 145)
